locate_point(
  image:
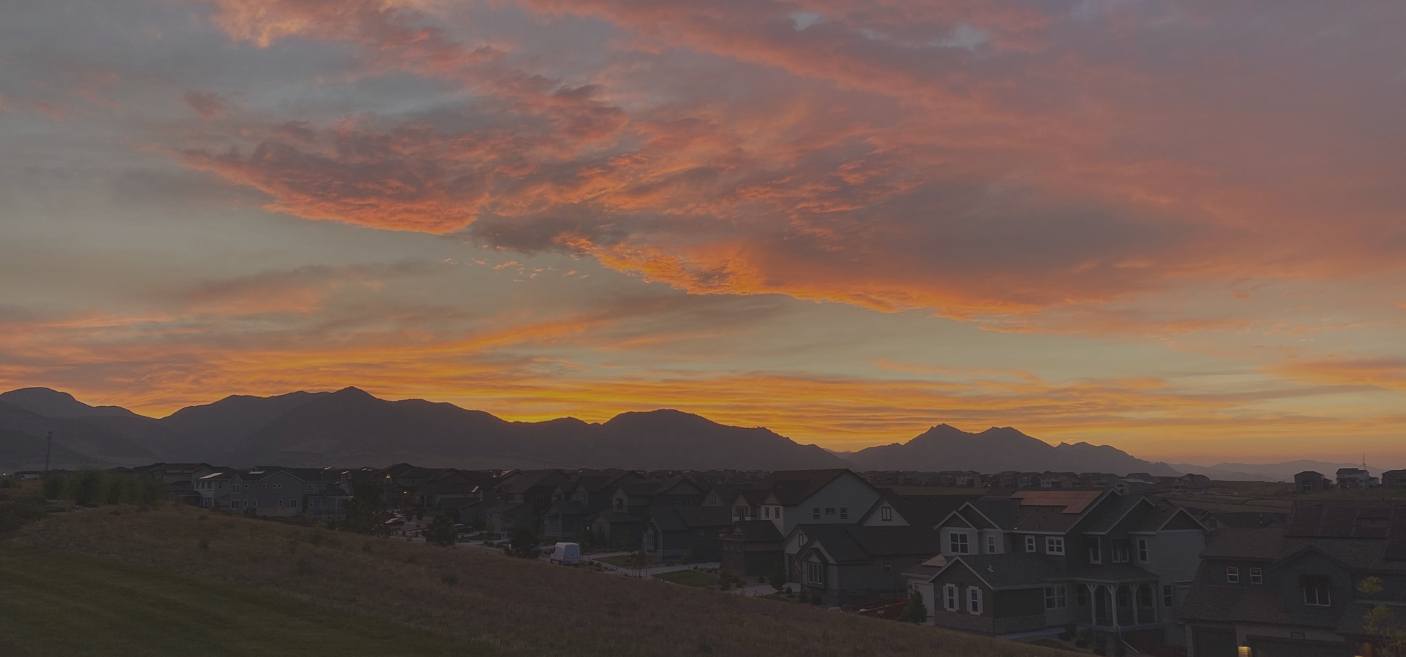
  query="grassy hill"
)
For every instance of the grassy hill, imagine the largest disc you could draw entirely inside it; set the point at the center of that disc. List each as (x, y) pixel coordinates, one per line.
(118, 581)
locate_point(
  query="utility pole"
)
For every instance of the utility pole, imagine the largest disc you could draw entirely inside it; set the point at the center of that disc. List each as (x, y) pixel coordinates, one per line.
(48, 451)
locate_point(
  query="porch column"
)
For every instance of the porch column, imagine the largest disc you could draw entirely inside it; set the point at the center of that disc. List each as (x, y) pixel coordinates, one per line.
(1113, 603)
(1093, 604)
(1137, 613)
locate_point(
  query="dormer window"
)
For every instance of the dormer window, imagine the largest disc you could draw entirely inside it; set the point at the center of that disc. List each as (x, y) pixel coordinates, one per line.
(1030, 544)
(1054, 544)
(1317, 591)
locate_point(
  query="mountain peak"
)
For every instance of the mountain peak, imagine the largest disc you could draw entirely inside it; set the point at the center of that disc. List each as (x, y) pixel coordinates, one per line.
(58, 404)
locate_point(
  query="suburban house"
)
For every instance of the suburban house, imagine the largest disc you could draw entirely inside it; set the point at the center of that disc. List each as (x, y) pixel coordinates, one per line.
(1353, 478)
(578, 499)
(752, 548)
(521, 498)
(1038, 562)
(221, 489)
(1394, 479)
(1310, 481)
(1305, 589)
(842, 564)
(813, 497)
(685, 533)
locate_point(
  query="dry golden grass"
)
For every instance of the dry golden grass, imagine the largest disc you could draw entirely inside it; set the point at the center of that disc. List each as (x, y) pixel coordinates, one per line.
(479, 601)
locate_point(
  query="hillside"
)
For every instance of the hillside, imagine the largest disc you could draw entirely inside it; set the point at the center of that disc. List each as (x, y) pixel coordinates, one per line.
(945, 447)
(104, 582)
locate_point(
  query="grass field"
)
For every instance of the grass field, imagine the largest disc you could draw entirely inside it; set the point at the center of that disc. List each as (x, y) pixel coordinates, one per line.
(185, 582)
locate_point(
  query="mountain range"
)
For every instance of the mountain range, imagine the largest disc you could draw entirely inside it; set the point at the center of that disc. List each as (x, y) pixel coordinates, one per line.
(350, 427)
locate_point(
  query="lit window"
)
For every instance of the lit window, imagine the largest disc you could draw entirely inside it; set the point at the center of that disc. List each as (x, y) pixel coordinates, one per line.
(1232, 575)
(1054, 544)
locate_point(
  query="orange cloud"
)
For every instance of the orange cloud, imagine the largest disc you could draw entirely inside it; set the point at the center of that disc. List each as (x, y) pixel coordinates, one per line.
(1385, 372)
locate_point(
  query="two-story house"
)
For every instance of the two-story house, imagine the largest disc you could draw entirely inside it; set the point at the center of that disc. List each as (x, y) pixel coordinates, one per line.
(1304, 589)
(1039, 562)
(579, 499)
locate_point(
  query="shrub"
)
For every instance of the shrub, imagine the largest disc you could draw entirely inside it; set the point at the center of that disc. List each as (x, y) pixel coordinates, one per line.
(441, 532)
(915, 611)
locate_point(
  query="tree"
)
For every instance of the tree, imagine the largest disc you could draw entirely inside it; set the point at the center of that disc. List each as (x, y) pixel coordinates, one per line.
(1388, 633)
(524, 543)
(441, 531)
(365, 509)
(915, 611)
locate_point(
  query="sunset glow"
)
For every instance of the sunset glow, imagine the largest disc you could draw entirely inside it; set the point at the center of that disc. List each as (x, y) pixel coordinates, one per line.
(1178, 228)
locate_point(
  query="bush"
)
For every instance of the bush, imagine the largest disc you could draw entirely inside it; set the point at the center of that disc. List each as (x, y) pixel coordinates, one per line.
(915, 611)
(441, 532)
(524, 543)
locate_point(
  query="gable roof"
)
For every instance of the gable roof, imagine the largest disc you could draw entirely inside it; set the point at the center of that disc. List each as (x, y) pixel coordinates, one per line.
(920, 510)
(859, 543)
(791, 487)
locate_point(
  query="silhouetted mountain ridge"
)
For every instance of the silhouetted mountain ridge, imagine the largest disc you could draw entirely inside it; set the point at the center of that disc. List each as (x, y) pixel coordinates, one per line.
(352, 427)
(945, 447)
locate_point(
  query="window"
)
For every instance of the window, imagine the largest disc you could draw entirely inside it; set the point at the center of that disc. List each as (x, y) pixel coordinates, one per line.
(1095, 551)
(973, 600)
(1317, 591)
(815, 513)
(1030, 544)
(991, 544)
(815, 573)
(1144, 550)
(949, 597)
(829, 510)
(1054, 544)
(886, 513)
(1120, 551)
(292, 504)
(1256, 575)
(958, 543)
(1169, 596)
(1056, 597)
(844, 513)
(1232, 575)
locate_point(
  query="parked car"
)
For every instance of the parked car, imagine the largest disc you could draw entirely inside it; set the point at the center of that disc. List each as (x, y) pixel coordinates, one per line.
(566, 554)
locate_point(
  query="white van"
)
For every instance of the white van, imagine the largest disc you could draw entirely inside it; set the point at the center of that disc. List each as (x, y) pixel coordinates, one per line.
(566, 554)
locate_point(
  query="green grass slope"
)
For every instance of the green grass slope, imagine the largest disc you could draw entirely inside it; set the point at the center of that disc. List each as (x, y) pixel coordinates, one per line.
(181, 582)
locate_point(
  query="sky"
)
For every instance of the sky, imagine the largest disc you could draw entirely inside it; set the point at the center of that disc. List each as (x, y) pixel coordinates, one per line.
(1176, 227)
